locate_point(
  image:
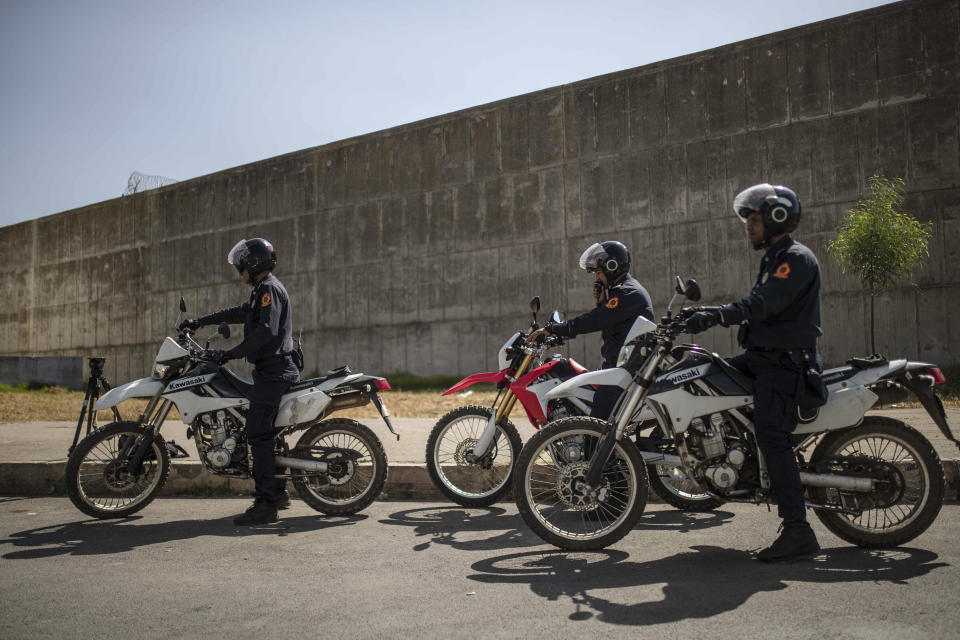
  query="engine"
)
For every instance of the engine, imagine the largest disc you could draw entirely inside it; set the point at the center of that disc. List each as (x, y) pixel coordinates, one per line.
(714, 441)
(220, 441)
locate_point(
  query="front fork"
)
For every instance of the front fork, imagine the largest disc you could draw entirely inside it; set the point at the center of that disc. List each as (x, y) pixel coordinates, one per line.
(499, 414)
(153, 416)
(621, 420)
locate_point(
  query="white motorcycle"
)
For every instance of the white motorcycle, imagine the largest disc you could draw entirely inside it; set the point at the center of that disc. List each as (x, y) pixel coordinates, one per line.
(472, 449)
(338, 466)
(875, 482)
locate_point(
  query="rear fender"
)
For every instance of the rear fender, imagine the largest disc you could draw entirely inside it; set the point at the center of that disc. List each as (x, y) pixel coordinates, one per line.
(916, 380)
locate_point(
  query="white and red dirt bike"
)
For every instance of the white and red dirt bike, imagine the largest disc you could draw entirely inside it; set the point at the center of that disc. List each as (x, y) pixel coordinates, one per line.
(472, 450)
(338, 465)
(873, 481)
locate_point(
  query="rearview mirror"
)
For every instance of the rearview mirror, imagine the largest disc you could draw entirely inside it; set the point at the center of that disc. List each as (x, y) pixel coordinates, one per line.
(223, 329)
(692, 290)
(183, 305)
(535, 304)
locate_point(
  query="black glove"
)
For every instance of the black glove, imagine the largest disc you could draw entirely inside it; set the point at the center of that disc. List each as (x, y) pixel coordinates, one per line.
(217, 355)
(190, 324)
(701, 321)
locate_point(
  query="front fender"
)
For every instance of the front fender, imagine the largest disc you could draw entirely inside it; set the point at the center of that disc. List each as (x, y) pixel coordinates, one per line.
(491, 376)
(142, 388)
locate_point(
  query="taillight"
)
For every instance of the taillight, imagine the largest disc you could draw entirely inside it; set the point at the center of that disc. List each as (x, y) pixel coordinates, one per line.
(382, 384)
(937, 375)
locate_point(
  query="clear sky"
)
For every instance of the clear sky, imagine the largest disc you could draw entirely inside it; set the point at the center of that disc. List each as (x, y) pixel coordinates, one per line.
(92, 90)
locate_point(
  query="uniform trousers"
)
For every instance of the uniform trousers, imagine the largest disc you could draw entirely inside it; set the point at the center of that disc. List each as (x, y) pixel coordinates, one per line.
(775, 417)
(270, 382)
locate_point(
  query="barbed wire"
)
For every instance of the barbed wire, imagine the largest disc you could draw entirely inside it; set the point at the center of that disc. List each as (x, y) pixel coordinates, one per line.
(138, 182)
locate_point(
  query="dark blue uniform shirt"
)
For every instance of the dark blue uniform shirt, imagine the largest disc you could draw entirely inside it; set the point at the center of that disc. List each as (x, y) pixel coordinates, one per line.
(626, 300)
(783, 308)
(266, 319)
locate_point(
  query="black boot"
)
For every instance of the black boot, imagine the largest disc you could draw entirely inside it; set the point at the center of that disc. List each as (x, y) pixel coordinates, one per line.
(795, 542)
(261, 512)
(282, 499)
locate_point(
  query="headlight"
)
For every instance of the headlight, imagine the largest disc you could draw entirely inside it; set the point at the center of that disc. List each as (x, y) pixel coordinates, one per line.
(625, 352)
(160, 370)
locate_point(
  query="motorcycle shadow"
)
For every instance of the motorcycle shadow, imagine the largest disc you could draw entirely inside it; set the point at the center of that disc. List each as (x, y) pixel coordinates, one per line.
(701, 582)
(93, 537)
(463, 528)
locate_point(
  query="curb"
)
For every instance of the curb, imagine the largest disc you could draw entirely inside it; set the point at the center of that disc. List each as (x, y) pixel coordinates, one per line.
(404, 482)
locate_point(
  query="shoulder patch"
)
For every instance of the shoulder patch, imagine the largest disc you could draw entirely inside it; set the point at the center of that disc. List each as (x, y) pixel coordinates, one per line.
(783, 271)
(265, 300)
(613, 302)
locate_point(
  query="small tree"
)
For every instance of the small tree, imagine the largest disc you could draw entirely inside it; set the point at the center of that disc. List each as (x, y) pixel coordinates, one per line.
(878, 242)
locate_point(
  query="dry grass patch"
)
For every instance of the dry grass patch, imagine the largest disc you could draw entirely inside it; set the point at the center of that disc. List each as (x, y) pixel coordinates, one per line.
(54, 405)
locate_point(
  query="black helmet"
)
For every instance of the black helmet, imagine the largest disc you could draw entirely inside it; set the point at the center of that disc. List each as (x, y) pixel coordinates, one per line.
(779, 206)
(610, 257)
(256, 256)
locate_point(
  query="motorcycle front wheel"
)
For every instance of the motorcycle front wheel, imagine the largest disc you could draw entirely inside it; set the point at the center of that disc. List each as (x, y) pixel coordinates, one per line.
(356, 471)
(471, 484)
(97, 478)
(908, 478)
(550, 492)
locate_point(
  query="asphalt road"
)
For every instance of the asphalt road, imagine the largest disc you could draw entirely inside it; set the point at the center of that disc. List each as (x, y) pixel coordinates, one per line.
(431, 570)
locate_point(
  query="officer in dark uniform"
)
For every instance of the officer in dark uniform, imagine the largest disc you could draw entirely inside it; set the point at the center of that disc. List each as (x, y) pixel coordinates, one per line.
(619, 300)
(779, 327)
(268, 345)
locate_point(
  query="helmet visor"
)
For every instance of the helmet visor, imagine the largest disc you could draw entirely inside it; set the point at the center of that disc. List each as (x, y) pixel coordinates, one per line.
(238, 255)
(751, 199)
(590, 259)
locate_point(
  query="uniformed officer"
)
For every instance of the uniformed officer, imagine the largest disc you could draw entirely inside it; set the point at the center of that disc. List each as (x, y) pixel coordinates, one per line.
(268, 345)
(779, 327)
(619, 300)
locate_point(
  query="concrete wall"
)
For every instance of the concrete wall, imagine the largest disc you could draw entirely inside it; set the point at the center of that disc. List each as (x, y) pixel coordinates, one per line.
(67, 372)
(417, 248)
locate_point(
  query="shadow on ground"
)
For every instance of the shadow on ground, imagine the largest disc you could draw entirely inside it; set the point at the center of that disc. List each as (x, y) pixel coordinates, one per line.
(463, 528)
(88, 537)
(701, 582)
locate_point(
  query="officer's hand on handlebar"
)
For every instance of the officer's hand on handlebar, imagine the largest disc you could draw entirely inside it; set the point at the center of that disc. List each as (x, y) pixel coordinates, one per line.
(536, 335)
(216, 355)
(190, 324)
(701, 321)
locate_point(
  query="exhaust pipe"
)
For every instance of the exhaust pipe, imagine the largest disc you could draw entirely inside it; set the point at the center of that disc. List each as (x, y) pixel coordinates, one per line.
(834, 481)
(301, 464)
(660, 458)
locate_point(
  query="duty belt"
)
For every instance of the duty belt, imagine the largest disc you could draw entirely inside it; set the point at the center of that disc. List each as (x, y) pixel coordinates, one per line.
(270, 360)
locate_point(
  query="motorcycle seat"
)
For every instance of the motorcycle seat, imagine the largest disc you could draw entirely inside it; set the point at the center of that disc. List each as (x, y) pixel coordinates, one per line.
(339, 372)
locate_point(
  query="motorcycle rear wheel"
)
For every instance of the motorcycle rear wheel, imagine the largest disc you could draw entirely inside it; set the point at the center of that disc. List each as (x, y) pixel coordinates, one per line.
(353, 481)
(548, 486)
(681, 493)
(471, 484)
(97, 481)
(909, 499)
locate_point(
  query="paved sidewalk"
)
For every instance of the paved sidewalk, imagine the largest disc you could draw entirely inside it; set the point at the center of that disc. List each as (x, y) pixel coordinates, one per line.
(33, 456)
